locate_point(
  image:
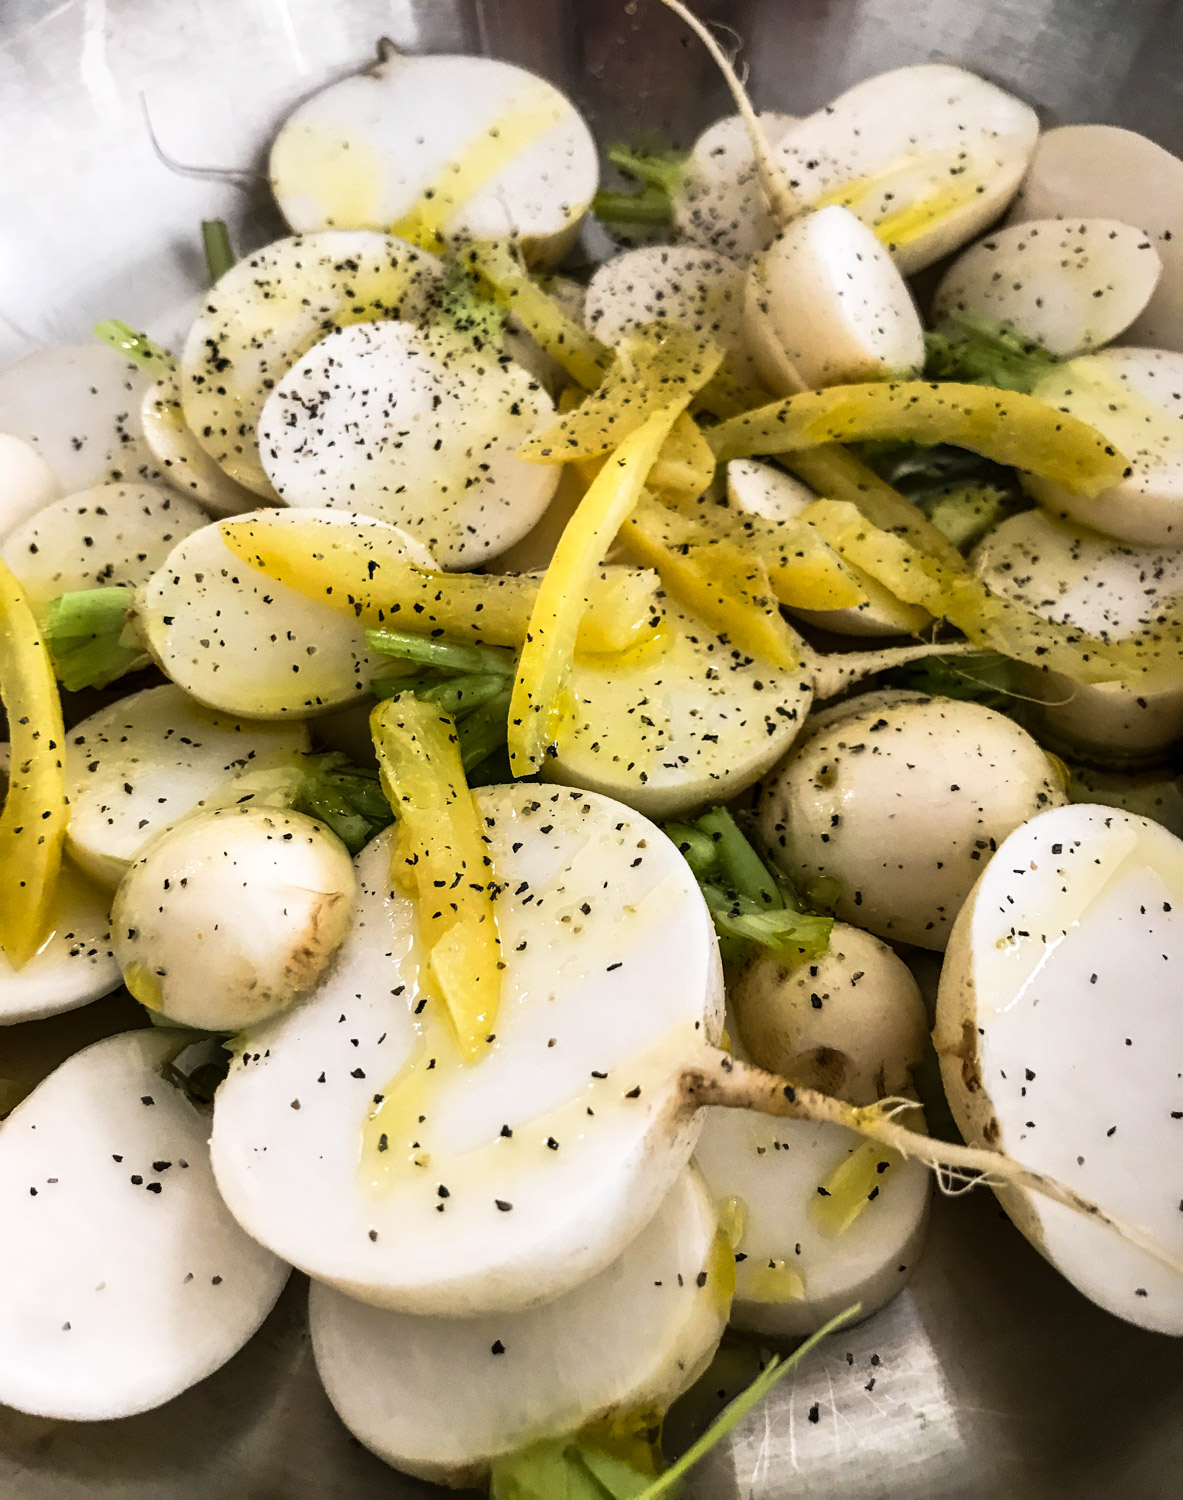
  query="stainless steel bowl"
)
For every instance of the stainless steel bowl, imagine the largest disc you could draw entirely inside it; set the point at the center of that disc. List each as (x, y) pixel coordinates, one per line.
(989, 1377)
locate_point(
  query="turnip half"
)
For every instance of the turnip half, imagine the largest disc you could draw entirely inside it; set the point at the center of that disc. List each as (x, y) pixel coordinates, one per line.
(1068, 286)
(902, 807)
(1081, 579)
(444, 1397)
(1060, 1035)
(443, 148)
(147, 761)
(123, 1278)
(231, 915)
(1105, 172)
(417, 429)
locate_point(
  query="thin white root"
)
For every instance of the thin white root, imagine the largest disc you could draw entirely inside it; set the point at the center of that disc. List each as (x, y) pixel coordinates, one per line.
(835, 671)
(726, 1081)
(237, 177)
(782, 201)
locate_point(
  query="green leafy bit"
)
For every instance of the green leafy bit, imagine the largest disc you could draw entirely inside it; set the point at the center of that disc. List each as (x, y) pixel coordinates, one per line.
(730, 1418)
(986, 354)
(963, 494)
(661, 174)
(89, 637)
(219, 253)
(348, 799)
(987, 678)
(565, 1471)
(137, 347)
(751, 905)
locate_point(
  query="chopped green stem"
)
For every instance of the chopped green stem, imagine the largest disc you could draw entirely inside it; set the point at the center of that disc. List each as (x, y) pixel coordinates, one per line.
(742, 868)
(457, 696)
(449, 656)
(665, 170)
(87, 633)
(698, 849)
(219, 253)
(975, 350)
(650, 206)
(137, 347)
(774, 1372)
(484, 730)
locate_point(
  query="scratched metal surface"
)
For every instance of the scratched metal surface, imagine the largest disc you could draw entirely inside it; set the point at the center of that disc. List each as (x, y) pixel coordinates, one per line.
(993, 1378)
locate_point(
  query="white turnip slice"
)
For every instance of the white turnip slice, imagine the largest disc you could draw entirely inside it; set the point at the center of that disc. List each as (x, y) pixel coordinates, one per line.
(74, 965)
(720, 205)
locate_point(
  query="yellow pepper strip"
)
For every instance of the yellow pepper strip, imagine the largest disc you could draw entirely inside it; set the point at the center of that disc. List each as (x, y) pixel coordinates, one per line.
(33, 822)
(583, 357)
(536, 708)
(720, 582)
(804, 570)
(1005, 426)
(363, 572)
(685, 466)
(653, 363)
(440, 857)
(851, 1186)
(835, 473)
(1152, 660)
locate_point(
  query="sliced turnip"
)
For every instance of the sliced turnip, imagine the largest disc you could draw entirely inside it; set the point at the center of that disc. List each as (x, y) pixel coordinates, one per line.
(1069, 286)
(230, 915)
(1103, 171)
(78, 406)
(443, 1397)
(720, 205)
(535, 1165)
(147, 761)
(1134, 397)
(825, 305)
(761, 489)
(114, 533)
(795, 1267)
(928, 156)
(270, 309)
(1060, 1036)
(417, 429)
(1079, 578)
(682, 284)
(850, 1023)
(533, 552)
(186, 464)
(246, 644)
(683, 721)
(1147, 794)
(442, 147)
(123, 1278)
(903, 806)
(27, 483)
(74, 965)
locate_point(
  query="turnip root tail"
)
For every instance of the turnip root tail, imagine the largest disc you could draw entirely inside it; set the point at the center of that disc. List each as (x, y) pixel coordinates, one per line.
(836, 671)
(733, 1084)
(782, 201)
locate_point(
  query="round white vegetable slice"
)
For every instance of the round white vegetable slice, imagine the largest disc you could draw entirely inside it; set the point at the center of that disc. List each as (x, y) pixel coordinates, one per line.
(74, 965)
(903, 806)
(268, 310)
(123, 1278)
(535, 1165)
(231, 915)
(115, 533)
(761, 489)
(1148, 794)
(147, 761)
(825, 305)
(686, 720)
(78, 406)
(720, 205)
(186, 464)
(928, 156)
(459, 147)
(1079, 578)
(243, 643)
(1060, 1035)
(795, 1267)
(682, 284)
(417, 429)
(1070, 286)
(1135, 398)
(26, 482)
(1107, 172)
(851, 1023)
(443, 1397)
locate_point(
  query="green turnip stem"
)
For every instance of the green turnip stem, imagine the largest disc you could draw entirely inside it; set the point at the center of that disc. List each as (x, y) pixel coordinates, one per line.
(733, 1084)
(450, 656)
(219, 254)
(137, 347)
(650, 206)
(89, 637)
(455, 695)
(484, 730)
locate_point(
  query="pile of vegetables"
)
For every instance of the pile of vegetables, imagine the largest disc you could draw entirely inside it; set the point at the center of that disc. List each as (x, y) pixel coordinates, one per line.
(524, 947)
